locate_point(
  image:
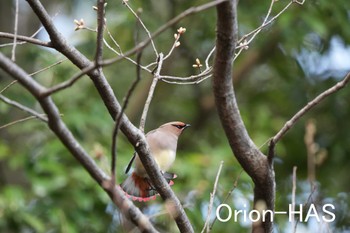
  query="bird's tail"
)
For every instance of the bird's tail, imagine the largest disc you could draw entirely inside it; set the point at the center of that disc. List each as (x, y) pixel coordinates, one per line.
(141, 188)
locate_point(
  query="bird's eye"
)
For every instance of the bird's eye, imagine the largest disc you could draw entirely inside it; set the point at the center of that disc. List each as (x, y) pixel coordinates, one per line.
(178, 126)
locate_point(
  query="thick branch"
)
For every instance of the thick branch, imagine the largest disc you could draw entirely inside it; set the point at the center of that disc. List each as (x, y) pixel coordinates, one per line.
(62, 132)
(134, 135)
(243, 147)
(289, 124)
(248, 155)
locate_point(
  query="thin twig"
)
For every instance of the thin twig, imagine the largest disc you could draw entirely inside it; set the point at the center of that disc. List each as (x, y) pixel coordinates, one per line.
(15, 32)
(125, 2)
(289, 124)
(70, 81)
(120, 53)
(243, 44)
(137, 48)
(143, 44)
(18, 121)
(23, 108)
(309, 199)
(150, 93)
(48, 67)
(100, 28)
(119, 117)
(8, 86)
(24, 39)
(208, 57)
(211, 201)
(293, 193)
(235, 183)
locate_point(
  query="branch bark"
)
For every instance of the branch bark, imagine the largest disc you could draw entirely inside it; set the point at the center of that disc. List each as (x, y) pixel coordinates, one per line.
(66, 137)
(256, 164)
(134, 135)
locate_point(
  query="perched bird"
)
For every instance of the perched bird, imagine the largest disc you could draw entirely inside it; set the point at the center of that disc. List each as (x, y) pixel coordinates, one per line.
(163, 143)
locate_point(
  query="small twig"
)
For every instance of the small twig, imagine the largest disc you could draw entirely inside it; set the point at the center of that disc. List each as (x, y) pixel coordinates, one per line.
(69, 82)
(18, 121)
(120, 53)
(235, 183)
(205, 74)
(305, 204)
(125, 2)
(23, 108)
(100, 28)
(119, 117)
(8, 86)
(243, 44)
(13, 55)
(48, 67)
(150, 93)
(309, 106)
(24, 39)
(212, 196)
(208, 57)
(293, 193)
(143, 44)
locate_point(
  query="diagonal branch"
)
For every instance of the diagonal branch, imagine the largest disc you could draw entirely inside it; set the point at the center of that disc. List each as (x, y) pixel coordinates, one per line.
(150, 93)
(134, 135)
(66, 137)
(289, 124)
(246, 152)
(23, 108)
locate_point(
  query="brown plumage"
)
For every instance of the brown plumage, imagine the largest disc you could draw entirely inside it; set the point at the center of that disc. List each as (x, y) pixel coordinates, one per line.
(163, 143)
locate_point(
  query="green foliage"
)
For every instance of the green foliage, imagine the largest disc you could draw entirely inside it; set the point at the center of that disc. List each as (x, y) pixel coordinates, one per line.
(44, 189)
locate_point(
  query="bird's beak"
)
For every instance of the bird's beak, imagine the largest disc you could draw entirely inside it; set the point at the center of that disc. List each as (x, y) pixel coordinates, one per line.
(187, 125)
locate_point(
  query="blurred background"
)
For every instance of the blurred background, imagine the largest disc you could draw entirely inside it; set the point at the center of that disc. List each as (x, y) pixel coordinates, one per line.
(44, 189)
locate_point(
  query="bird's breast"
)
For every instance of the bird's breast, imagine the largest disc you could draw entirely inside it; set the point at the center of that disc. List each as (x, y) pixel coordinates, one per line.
(164, 158)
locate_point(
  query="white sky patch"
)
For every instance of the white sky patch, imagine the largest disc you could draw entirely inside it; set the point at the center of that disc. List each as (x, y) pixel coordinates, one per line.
(335, 62)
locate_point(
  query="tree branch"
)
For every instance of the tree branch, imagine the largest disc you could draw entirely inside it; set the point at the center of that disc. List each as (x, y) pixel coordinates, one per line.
(150, 93)
(246, 152)
(289, 124)
(100, 29)
(134, 135)
(62, 132)
(23, 108)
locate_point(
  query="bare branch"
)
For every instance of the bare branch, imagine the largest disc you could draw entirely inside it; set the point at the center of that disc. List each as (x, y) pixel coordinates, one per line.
(235, 183)
(26, 39)
(249, 156)
(125, 2)
(150, 93)
(211, 201)
(48, 67)
(293, 193)
(289, 124)
(70, 81)
(135, 136)
(13, 52)
(187, 80)
(100, 29)
(62, 132)
(119, 118)
(8, 86)
(243, 43)
(23, 108)
(143, 44)
(17, 121)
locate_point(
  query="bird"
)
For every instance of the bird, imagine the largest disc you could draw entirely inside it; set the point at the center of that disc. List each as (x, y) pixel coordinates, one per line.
(162, 143)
